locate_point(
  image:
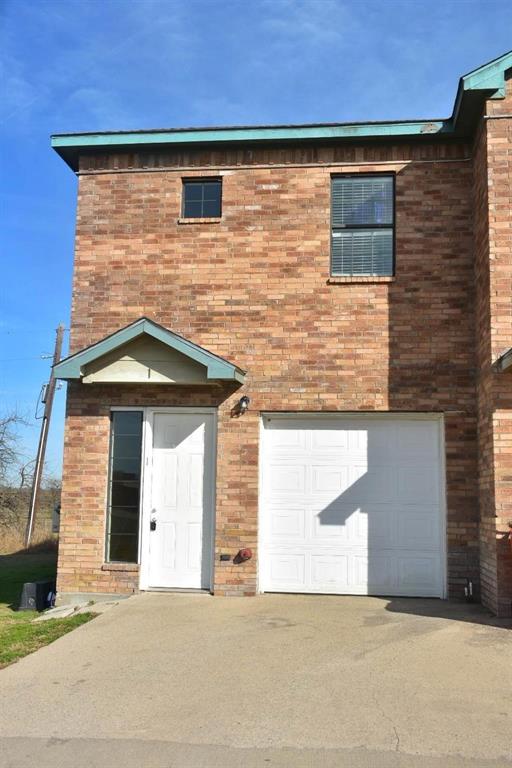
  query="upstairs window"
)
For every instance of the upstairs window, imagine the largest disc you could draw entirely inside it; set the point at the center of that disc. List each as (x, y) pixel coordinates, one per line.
(362, 226)
(202, 199)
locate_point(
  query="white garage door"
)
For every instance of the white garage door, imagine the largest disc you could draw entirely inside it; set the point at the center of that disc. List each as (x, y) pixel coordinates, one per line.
(352, 505)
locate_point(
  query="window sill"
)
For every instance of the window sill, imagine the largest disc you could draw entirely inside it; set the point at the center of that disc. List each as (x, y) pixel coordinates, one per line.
(191, 220)
(360, 279)
(120, 567)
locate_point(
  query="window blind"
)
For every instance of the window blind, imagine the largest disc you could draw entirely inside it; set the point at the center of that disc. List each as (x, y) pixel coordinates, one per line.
(366, 252)
(362, 225)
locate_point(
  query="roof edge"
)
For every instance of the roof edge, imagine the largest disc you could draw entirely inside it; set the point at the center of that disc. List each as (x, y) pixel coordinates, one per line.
(69, 145)
(488, 81)
(71, 367)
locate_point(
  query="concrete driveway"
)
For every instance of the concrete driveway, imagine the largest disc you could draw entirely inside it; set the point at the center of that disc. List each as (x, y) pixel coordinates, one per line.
(191, 680)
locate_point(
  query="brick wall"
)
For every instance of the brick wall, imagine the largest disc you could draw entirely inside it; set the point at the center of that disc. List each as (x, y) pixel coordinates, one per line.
(255, 288)
(484, 375)
(493, 206)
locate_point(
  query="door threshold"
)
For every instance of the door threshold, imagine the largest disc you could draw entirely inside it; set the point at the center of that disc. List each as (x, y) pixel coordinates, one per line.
(179, 590)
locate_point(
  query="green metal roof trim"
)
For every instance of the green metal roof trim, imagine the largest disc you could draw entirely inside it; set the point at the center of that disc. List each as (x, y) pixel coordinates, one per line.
(488, 81)
(72, 368)
(256, 133)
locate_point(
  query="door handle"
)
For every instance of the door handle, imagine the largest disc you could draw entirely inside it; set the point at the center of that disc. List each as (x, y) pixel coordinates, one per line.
(152, 524)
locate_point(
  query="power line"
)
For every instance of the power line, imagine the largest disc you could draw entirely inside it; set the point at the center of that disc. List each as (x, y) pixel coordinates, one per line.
(22, 359)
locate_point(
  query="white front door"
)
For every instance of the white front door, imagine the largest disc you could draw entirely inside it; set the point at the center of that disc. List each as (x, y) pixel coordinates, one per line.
(352, 505)
(179, 511)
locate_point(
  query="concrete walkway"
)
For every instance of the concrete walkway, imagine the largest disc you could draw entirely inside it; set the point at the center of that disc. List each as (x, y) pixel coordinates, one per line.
(192, 681)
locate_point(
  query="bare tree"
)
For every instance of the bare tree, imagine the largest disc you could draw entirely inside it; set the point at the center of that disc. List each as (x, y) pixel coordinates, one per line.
(16, 472)
(13, 494)
(25, 472)
(10, 454)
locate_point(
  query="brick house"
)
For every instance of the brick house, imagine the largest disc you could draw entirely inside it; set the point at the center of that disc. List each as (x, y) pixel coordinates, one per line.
(290, 365)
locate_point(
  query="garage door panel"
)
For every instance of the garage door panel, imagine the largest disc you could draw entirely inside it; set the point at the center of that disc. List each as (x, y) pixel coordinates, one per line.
(287, 478)
(418, 529)
(329, 571)
(356, 482)
(419, 573)
(351, 573)
(325, 437)
(330, 522)
(381, 443)
(355, 524)
(330, 478)
(376, 522)
(418, 484)
(374, 573)
(378, 483)
(417, 445)
(285, 440)
(352, 505)
(286, 523)
(287, 570)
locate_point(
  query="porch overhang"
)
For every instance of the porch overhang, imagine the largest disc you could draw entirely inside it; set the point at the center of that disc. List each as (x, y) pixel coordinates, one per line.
(120, 358)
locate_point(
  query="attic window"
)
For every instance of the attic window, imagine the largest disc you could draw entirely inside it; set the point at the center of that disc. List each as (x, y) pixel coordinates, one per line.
(202, 199)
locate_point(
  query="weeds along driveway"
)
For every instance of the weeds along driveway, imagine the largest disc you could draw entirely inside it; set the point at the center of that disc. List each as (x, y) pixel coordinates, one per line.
(413, 682)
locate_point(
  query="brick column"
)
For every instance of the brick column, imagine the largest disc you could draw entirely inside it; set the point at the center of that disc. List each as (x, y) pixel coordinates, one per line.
(493, 258)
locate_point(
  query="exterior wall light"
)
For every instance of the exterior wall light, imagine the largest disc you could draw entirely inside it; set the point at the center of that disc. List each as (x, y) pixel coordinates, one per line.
(241, 407)
(243, 403)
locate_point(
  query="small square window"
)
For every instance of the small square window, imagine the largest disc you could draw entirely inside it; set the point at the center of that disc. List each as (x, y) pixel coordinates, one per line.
(202, 199)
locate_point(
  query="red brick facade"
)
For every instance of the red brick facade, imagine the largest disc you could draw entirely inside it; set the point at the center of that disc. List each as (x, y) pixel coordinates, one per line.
(254, 287)
(493, 258)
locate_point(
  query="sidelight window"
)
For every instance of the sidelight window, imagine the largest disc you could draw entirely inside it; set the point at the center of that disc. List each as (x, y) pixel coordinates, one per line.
(124, 486)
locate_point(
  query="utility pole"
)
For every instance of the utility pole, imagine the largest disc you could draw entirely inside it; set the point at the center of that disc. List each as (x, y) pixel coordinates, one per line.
(43, 437)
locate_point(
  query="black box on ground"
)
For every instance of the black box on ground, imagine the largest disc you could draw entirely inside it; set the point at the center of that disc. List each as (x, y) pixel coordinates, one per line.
(37, 595)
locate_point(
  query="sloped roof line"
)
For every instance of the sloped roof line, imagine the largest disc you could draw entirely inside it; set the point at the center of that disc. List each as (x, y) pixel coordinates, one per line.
(71, 368)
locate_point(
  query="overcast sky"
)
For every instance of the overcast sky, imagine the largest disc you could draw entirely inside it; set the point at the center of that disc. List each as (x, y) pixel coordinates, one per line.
(80, 65)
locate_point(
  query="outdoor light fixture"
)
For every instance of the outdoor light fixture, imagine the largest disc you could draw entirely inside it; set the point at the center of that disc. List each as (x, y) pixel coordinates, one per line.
(243, 404)
(240, 407)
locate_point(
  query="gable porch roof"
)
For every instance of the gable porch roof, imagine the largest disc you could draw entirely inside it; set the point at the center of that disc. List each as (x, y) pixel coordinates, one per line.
(72, 368)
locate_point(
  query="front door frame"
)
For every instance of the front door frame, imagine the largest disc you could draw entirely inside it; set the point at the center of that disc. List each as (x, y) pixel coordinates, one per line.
(145, 514)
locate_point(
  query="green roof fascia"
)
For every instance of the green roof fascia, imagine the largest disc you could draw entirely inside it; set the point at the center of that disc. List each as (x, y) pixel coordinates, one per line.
(72, 368)
(68, 146)
(486, 82)
(255, 133)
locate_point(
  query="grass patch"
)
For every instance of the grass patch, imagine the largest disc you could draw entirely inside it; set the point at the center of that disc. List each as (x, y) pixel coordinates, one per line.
(18, 635)
(21, 637)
